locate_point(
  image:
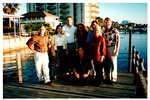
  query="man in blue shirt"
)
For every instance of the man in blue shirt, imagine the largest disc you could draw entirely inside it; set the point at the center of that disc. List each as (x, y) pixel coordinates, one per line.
(91, 33)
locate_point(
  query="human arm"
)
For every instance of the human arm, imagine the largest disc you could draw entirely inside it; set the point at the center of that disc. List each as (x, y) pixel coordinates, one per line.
(76, 74)
(30, 43)
(66, 49)
(53, 44)
(86, 75)
(103, 53)
(117, 44)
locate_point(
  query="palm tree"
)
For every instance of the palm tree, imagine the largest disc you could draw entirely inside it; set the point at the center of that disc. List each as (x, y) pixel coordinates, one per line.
(10, 8)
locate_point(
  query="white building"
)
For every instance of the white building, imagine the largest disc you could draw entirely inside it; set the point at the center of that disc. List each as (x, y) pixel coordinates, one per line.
(41, 17)
(125, 22)
(80, 12)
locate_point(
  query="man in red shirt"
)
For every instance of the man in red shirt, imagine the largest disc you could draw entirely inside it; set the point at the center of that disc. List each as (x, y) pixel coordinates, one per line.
(39, 46)
(97, 50)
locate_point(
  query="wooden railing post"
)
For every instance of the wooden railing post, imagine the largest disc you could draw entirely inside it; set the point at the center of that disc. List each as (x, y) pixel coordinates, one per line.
(133, 58)
(130, 51)
(137, 59)
(19, 67)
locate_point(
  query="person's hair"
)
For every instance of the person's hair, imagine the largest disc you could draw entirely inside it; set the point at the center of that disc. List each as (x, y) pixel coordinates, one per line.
(107, 19)
(84, 29)
(94, 21)
(44, 27)
(69, 17)
(57, 28)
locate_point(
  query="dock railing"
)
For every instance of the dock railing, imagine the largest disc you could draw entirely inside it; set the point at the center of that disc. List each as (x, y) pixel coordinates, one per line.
(140, 74)
(17, 60)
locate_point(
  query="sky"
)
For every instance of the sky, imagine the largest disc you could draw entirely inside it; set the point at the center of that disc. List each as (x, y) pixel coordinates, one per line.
(134, 12)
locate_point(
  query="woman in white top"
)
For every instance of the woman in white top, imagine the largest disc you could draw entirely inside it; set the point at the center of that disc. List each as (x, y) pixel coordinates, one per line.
(59, 49)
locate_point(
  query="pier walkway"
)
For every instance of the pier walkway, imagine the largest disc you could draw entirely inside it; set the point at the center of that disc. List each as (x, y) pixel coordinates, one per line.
(123, 89)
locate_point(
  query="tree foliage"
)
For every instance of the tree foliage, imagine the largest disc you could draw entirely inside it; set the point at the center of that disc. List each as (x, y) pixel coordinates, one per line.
(10, 8)
(100, 21)
(35, 27)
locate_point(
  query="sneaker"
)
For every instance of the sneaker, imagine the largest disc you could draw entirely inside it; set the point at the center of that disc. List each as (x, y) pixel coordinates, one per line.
(49, 83)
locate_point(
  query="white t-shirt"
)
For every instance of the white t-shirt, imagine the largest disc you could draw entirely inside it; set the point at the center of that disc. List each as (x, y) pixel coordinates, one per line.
(70, 33)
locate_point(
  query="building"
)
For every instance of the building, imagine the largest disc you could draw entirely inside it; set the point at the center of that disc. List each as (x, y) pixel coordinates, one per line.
(125, 22)
(80, 12)
(41, 17)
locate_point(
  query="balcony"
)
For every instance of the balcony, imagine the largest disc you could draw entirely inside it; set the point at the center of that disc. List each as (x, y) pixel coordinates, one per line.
(51, 7)
(94, 11)
(64, 6)
(64, 12)
(39, 4)
(52, 12)
(51, 4)
(93, 5)
(63, 17)
(40, 8)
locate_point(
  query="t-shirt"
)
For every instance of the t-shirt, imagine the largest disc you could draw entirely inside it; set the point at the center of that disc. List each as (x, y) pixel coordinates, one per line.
(70, 33)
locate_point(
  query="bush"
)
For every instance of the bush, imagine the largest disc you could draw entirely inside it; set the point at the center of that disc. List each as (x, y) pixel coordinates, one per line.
(6, 29)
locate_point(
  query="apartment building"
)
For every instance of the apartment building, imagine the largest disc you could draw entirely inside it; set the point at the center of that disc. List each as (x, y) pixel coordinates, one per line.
(80, 12)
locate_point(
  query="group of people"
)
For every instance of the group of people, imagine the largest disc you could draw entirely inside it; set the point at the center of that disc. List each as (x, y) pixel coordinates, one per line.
(78, 52)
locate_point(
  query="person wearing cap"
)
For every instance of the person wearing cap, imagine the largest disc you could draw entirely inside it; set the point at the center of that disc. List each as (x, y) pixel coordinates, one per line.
(38, 44)
(112, 39)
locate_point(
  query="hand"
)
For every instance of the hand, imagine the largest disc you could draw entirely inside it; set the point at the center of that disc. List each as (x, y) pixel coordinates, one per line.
(85, 75)
(116, 54)
(54, 54)
(66, 53)
(77, 75)
(48, 50)
(102, 58)
(34, 51)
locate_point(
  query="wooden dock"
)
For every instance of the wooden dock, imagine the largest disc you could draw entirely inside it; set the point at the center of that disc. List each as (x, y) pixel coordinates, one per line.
(123, 89)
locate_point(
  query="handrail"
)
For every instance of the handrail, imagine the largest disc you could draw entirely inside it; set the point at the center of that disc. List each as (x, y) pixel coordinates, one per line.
(18, 61)
(9, 56)
(139, 72)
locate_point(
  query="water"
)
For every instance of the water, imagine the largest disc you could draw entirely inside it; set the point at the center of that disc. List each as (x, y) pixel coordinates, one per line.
(138, 40)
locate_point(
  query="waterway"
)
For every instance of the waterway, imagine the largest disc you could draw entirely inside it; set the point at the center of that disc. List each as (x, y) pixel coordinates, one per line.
(28, 66)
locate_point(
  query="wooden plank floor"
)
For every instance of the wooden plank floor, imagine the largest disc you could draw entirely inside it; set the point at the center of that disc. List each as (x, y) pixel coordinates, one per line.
(123, 89)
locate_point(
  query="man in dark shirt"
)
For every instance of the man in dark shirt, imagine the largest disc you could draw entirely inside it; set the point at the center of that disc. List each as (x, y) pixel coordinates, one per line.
(39, 46)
